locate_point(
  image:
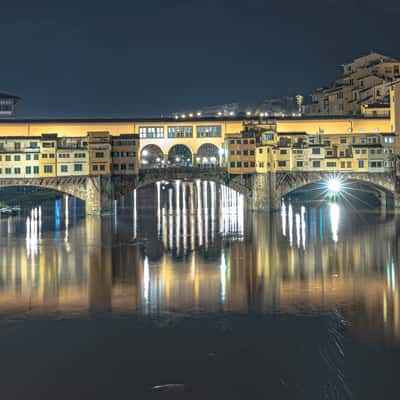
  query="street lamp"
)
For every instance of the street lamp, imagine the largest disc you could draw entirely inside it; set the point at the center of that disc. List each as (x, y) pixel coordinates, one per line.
(334, 185)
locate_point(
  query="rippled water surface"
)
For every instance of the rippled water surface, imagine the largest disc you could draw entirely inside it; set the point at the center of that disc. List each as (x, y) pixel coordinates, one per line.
(202, 296)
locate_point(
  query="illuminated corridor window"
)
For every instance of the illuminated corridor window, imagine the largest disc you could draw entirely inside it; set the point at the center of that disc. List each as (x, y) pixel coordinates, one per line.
(209, 131)
(180, 131)
(151, 132)
(48, 169)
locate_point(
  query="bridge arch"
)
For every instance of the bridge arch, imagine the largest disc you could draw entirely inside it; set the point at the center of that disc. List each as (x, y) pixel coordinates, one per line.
(180, 155)
(208, 155)
(381, 184)
(151, 155)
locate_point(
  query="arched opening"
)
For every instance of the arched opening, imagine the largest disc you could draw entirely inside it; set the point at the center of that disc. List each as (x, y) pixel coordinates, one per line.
(151, 156)
(207, 155)
(352, 193)
(180, 156)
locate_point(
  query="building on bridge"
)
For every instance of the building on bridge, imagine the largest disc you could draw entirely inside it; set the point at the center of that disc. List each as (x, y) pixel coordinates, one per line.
(8, 104)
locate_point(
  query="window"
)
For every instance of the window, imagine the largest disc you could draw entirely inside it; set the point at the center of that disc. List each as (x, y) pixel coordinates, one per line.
(35, 170)
(232, 152)
(343, 140)
(131, 166)
(33, 145)
(364, 151)
(238, 152)
(115, 167)
(17, 158)
(99, 154)
(36, 156)
(95, 168)
(17, 171)
(44, 155)
(123, 167)
(245, 141)
(17, 146)
(316, 150)
(27, 157)
(388, 139)
(375, 164)
(252, 152)
(316, 164)
(180, 131)
(358, 151)
(331, 164)
(8, 158)
(238, 141)
(151, 132)
(261, 165)
(8, 171)
(299, 164)
(51, 155)
(102, 167)
(245, 152)
(348, 164)
(283, 151)
(64, 168)
(209, 131)
(246, 164)
(48, 169)
(232, 165)
(342, 164)
(48, 145)
(260, 151)
(239, 164)
(80, 155)
(28, 170)
(231, 141)
(78, 167)
(281, 163)
(269, 136)
(63, 155)
(252, 164)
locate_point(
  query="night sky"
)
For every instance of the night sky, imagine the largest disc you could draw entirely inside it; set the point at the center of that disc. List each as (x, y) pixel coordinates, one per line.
(146, 58)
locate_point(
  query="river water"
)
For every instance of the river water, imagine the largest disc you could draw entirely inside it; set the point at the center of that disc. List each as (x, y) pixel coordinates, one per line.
(166, 300)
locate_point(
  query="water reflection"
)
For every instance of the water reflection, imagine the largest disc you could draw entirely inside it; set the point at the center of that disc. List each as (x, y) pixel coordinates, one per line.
(192, 247)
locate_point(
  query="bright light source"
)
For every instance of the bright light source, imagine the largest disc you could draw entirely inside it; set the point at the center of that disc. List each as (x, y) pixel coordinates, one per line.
(261, 114)
(199, 114)
(248, 113)
(177, 159)
(145, 153)
(176, 116)
(232, 113)
(334, 185)
(158, 159)
(191, 115)
(183, 115)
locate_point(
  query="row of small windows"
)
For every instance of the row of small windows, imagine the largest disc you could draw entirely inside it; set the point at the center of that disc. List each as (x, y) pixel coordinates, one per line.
(17, 157)
(123, 167)
(17, 170)
(17, 145)
(244, 152)
(76, 167)
(333, 164)
(245, 164)
(76, 155)
(123, 154)
(157, 132)
(242, 141)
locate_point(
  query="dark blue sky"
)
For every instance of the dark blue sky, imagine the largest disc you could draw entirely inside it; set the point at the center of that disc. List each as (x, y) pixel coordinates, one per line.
(133, 58)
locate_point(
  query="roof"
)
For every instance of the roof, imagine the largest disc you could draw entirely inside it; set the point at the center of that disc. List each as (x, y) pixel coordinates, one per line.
(8, 96)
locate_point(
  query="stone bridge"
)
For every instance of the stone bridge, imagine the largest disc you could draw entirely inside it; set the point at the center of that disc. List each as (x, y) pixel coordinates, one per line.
(262, 191)
(268, 189)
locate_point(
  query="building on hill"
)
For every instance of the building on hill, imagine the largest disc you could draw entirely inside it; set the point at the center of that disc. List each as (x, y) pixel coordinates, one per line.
(364, 81)
(7, 105)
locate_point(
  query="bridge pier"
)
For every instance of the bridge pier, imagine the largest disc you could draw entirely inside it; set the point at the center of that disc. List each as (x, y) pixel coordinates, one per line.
(99, 195)
(264, 197)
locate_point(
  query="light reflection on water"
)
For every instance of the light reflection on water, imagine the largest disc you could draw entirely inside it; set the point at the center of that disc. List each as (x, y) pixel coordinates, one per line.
(191, 248)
